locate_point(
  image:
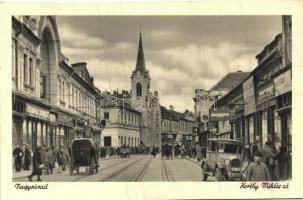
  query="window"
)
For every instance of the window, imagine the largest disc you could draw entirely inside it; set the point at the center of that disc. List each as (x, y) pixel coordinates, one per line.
(63, 91)
(139, 90)
(76, 99)
(42, 86)
(14, 64)
(73, 97)
(60, 89)
(106, 115)
(69, 95)
(25, 69)
(31, 71)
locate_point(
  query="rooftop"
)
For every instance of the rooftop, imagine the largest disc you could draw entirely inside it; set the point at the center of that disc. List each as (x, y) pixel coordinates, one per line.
(230, 81)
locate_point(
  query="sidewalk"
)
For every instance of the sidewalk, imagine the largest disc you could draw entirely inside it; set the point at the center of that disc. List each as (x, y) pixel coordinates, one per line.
(23, 173)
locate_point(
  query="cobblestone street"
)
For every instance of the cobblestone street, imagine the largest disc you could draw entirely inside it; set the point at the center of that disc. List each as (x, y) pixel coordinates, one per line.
(136, 168)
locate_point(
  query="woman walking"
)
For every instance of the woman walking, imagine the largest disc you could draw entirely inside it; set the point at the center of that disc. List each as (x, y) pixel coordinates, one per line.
(59, 158)
(36, 165)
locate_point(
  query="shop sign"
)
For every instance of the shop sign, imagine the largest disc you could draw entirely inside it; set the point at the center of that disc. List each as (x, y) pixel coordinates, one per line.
(249, 96)
(218, 115)
(221, 113)
(36, 111)
(283, 83)
(266, 93)
(66, 119)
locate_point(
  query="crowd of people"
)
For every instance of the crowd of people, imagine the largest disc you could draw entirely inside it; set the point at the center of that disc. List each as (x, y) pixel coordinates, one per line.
(268, 164)
(182, 151)
(42, 160)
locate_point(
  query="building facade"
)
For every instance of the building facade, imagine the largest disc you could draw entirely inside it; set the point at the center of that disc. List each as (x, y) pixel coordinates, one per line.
(208, 113)
(50, 100)
(122, 122)
(177, 128)
(260, 106)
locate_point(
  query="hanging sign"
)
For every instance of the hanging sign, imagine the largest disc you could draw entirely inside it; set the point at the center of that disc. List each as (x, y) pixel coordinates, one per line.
(249, 96)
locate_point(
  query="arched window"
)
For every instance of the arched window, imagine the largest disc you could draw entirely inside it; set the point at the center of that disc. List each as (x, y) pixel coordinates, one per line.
(139, 89)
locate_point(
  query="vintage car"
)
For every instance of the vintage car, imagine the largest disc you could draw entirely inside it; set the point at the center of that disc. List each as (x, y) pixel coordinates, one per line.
(83, 154)
(124, 152)
(223, 160)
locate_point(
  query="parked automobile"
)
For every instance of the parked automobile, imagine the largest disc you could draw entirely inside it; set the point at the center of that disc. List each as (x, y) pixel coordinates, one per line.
(83, 154)
(124, 152)
(223, 160)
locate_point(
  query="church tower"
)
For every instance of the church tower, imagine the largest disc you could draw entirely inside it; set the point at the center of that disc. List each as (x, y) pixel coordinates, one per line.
(140, 77)
(140, 81)
(140, 84)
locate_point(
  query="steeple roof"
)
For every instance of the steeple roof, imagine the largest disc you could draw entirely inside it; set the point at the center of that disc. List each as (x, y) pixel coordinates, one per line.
(140, 65)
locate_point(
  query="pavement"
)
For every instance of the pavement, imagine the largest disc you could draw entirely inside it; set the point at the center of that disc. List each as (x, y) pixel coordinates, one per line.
(24, 174)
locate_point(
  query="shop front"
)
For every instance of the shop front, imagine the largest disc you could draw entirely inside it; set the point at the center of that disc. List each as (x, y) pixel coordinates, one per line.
(283, 99)
(18, 119)
(266, 105)
(65, 129)
(249, 111)
(35, 125)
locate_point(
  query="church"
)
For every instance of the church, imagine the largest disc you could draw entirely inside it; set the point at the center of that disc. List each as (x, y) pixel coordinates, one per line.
(140, 104)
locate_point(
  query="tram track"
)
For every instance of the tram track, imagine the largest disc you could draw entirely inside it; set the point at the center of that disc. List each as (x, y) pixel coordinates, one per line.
(167, 174)
(103, 169)
(143, 171)
(120, 170)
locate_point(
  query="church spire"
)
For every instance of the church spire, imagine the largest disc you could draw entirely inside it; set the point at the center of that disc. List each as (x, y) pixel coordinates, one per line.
(140, 65)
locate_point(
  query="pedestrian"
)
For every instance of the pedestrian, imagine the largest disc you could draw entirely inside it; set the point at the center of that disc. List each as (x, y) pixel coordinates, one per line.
(44, 159)
(59, 159)
(69, 149)
(65, 159)
(27, 158)
(268, 157)
(154, 152)
(52, 160)
(182, 151)
(37, 165)
(257, 170)
(254, 149)
(18, 155)
(282, 166)
(199, 153)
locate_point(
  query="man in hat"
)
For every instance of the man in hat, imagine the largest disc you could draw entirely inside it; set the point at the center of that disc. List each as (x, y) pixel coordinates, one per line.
(18, 155)
(257, 170)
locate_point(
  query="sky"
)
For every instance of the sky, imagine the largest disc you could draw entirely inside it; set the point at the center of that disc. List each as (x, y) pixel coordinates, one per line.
(182, 53)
